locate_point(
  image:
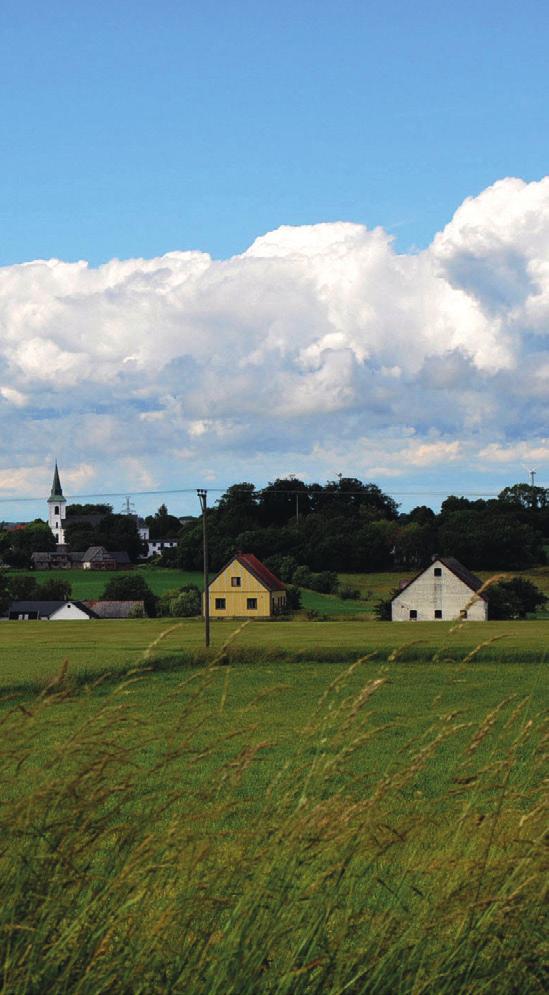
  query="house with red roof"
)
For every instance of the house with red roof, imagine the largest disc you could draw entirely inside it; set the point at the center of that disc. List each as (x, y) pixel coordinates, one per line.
(246, 588)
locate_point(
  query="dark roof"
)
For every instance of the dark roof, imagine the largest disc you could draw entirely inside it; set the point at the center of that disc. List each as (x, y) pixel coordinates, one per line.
(457, 568)
(46, 608)
(56, 490)
(113, 609)
(99, 553)
(259, 571)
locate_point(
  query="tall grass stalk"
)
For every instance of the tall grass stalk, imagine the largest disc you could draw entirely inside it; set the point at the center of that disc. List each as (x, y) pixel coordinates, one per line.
(130, 875)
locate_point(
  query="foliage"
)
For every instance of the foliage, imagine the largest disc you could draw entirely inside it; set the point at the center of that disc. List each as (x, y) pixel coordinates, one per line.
(383, 610)
(26, 588)
(162, 525)
(348, 593)
(283, 567)
(293, 597)
(72, 510)
(130, 587)
(5, 592)
(114, 532)
(187, 603)
(515, 598)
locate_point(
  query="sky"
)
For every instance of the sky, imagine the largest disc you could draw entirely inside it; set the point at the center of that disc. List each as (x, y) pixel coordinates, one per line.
(246, 239)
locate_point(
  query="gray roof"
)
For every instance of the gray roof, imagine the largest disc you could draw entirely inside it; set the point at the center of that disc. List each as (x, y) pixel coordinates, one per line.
(114, 609)
(99, 553)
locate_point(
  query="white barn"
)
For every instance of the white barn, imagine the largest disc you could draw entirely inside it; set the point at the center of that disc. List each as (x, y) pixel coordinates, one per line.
(51, 611)
(445, 590)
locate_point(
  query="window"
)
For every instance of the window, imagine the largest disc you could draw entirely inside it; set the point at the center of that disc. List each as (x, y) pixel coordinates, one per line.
(56, 509)
(438, 571)
(413, 613)
(438, 613)
(235, 581)
(220, 604)
(251, 604)
(463, 613)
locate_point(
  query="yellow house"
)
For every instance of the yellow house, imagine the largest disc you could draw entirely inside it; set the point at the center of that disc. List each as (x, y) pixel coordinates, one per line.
(246, 588)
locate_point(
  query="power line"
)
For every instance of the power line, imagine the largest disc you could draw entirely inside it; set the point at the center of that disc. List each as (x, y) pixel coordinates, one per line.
(257, 492)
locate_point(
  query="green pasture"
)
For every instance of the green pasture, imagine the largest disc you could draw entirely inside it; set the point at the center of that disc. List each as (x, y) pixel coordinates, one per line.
(272, 827)
(32, 651)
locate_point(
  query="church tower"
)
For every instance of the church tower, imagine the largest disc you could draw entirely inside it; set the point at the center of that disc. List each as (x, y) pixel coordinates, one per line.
(57, 509)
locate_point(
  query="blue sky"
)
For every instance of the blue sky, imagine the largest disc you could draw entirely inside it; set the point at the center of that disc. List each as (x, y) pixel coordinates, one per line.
(132, 129)
(394, 328)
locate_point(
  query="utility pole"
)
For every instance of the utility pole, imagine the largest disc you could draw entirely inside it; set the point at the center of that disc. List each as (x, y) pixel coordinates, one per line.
(203, 497)
(532, 477)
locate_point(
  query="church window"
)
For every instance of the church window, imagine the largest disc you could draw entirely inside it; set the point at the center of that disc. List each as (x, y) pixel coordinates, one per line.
(56, 509)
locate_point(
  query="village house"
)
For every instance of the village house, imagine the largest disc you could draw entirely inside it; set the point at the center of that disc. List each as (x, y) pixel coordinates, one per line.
(246, 588)
(98, 558)
(50, 611)
(443, 590)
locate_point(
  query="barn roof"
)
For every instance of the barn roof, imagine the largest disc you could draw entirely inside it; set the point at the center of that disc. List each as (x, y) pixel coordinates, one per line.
(114, 609)
(470, 579)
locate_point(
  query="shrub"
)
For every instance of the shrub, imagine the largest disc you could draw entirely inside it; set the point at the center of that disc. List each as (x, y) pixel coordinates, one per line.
(302, 576)
(131, 587)
(382, 610)
(293, 597)
(187, 603)
(515, 598)
(348, 593)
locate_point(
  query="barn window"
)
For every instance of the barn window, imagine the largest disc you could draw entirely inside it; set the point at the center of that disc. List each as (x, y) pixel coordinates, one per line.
(413, 613)
(251, 604)
(438, 613)
(235, 581)
(438, 571)
(220, 604)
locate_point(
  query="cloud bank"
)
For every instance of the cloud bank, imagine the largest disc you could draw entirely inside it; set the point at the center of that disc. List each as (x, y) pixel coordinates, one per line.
(318, 349)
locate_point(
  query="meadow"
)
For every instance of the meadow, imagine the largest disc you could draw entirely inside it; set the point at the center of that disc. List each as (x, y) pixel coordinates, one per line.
(273, 826)
(343, 807)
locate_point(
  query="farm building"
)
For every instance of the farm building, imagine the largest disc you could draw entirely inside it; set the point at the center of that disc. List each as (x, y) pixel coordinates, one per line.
(246, 588)
(98, 558)
(51, 611)
(443, 590)
(116, 609)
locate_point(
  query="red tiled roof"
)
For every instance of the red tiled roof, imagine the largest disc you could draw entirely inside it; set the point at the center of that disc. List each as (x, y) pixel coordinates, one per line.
(260, 571)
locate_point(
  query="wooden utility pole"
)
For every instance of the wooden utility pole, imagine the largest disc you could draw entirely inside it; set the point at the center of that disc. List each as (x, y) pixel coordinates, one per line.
(203, 496)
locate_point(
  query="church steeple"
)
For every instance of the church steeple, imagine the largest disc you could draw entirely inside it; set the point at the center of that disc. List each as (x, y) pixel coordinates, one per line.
(57, 508)
(56, 489)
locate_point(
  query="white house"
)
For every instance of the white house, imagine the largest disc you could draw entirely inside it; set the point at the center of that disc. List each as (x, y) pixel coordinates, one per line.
(50, 611)
(443, 590)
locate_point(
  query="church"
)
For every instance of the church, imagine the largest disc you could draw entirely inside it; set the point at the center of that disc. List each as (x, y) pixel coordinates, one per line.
(57, 509)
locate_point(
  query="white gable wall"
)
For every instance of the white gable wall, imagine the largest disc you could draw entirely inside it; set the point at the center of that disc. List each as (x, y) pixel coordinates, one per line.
(429, 593)
(69, 612)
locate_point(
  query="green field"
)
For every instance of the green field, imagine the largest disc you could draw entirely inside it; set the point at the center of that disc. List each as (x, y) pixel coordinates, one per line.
(279, 816)
(271, 827)
(30, 652)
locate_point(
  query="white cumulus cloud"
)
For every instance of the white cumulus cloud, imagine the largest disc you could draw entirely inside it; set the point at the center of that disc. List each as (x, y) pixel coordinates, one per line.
(315, 338)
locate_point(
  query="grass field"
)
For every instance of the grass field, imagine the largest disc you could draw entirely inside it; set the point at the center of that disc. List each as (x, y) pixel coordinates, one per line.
(31, 652)
(278, 817)
(274, 827)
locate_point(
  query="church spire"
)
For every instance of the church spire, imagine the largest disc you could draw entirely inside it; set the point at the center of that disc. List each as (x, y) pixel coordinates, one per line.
(56, 490)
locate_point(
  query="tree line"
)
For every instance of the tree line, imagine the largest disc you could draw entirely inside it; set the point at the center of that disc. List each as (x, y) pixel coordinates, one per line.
(349, 526)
